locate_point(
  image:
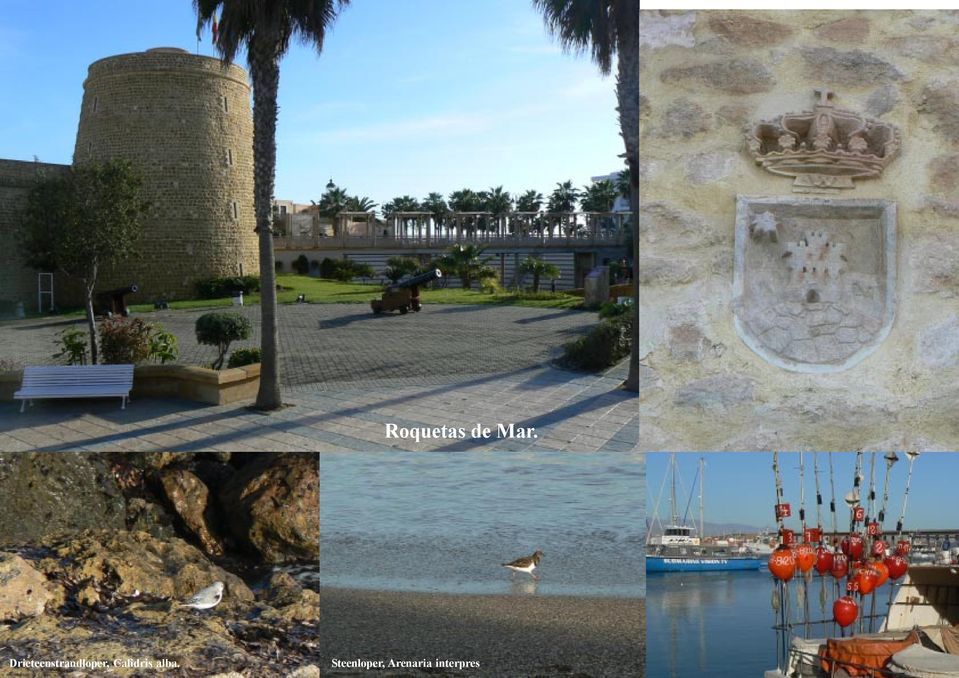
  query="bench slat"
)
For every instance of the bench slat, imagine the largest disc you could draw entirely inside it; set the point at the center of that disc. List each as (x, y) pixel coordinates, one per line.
(76, 381)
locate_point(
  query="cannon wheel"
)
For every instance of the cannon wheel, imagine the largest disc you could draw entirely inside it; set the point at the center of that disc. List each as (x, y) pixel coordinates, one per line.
(404, 310)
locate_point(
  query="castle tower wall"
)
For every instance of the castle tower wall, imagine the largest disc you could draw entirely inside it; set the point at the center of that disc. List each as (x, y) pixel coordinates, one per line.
(184, 122)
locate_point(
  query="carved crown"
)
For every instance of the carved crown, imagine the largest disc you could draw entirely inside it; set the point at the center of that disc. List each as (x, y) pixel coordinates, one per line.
(823, 148)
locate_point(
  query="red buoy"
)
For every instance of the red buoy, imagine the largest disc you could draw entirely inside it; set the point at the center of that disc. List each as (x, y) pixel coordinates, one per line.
(879, 548)
(903, 547)
(805, 557)
(824, 560)
(782, 563)
(867, 579)
(881, 571)
(840, 565)
(852, 546)
(897, 566)
(845, 610)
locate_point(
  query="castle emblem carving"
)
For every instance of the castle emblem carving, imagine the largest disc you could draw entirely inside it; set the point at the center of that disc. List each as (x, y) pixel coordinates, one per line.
(824, 149)
(814, 281)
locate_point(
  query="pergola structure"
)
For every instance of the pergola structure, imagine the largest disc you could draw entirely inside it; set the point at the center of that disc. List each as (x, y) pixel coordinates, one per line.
(419, 228)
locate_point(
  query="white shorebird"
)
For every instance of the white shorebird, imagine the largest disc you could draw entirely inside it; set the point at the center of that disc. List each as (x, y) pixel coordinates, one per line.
(526, 564)
(206, 598)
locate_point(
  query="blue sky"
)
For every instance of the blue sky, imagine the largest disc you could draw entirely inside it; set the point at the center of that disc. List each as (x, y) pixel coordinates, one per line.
(408, 97)
(740, 487)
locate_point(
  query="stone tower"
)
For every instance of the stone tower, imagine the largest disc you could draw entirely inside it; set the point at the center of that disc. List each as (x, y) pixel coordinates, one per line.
(184, 122)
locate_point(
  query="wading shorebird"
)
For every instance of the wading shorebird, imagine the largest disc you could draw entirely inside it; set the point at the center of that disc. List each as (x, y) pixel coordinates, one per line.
(526, 564)
(206, 598)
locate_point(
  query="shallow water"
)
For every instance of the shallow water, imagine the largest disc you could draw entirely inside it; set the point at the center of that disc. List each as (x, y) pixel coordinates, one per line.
(445, 521)
(719, 624)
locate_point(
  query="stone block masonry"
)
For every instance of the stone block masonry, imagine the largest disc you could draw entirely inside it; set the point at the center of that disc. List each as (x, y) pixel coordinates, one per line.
(184, 122)
(707, 79)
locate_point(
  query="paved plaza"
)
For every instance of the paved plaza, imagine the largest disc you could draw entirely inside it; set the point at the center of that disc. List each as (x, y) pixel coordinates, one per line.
(350, 379)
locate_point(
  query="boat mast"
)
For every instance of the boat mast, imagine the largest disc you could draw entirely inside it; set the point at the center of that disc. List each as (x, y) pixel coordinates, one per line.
(702, 479)
(673, 518)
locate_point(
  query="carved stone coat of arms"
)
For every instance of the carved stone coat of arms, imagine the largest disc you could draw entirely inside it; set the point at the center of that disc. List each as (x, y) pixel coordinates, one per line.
(815, 279)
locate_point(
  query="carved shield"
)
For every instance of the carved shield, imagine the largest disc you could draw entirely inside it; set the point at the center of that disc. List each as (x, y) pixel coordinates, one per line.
(815, 279)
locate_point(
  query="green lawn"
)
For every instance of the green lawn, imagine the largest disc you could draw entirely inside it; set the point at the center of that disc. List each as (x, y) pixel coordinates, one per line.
(321, 291)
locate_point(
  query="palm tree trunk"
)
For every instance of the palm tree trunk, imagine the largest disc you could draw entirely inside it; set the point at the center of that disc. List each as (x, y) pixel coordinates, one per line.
(265, 73)
(627, 94)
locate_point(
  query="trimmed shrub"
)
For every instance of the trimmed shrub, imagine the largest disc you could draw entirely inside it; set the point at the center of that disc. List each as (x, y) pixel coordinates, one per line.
(163, 346)
(220, 329)
(327, 268)
(278, 266)
(347, 269)
(217, 288)
(301, 265)
(124, 341)
(604, 346)
(314, 268)
(398, 267)
(244, 356)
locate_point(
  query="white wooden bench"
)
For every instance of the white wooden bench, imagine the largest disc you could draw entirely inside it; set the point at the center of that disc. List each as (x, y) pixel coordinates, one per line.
(76, 381)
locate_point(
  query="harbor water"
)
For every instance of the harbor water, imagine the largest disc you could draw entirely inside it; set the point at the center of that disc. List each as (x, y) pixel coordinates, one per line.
(720, 624)
(445, 522)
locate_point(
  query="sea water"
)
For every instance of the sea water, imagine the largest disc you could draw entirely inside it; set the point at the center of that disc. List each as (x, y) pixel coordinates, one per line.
(720, 624)
(444, 522)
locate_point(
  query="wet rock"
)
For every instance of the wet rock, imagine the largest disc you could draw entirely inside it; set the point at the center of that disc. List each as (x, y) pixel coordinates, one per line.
(743, 29)
(145, 516)
(311, 671)
(23, 590)
(854, 67)
(290, 601)
(939, 99)
(882, 100)
(735, 76)
(684, 119)
(190, 499)
(659, 29)
(704, 168)
(718, 392)
(43, 494)
(852, 30)
(275, 506)
(109, 565)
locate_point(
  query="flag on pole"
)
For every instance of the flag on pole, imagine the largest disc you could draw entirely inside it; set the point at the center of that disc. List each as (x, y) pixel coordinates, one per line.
(216, 29)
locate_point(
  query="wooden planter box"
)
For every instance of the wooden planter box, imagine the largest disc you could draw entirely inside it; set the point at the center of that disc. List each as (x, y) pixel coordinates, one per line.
(199, 384)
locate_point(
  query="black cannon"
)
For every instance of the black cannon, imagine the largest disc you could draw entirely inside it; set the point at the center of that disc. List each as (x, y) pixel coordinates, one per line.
(404, 295)
(113, 302)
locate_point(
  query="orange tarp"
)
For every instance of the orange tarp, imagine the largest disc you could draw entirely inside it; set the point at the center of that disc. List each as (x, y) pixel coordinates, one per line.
(859, 656)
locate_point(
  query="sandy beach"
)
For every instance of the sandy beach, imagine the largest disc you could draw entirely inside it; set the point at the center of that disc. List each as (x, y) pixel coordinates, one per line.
(506, 635)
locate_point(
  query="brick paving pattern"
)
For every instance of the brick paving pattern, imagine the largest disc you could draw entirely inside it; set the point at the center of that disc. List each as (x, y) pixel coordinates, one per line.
(349, 374)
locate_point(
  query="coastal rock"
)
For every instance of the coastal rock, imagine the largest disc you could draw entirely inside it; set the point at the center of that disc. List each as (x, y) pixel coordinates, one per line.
(290, 601)
(274, 506)
(43, 494)
(189, 497)
(734, 76)
(117, 563)
(22, 589)
(145, 516)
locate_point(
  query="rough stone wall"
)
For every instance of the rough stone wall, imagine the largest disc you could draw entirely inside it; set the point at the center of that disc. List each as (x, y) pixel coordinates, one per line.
(704, 77)
(184, 121)
(17, 283)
